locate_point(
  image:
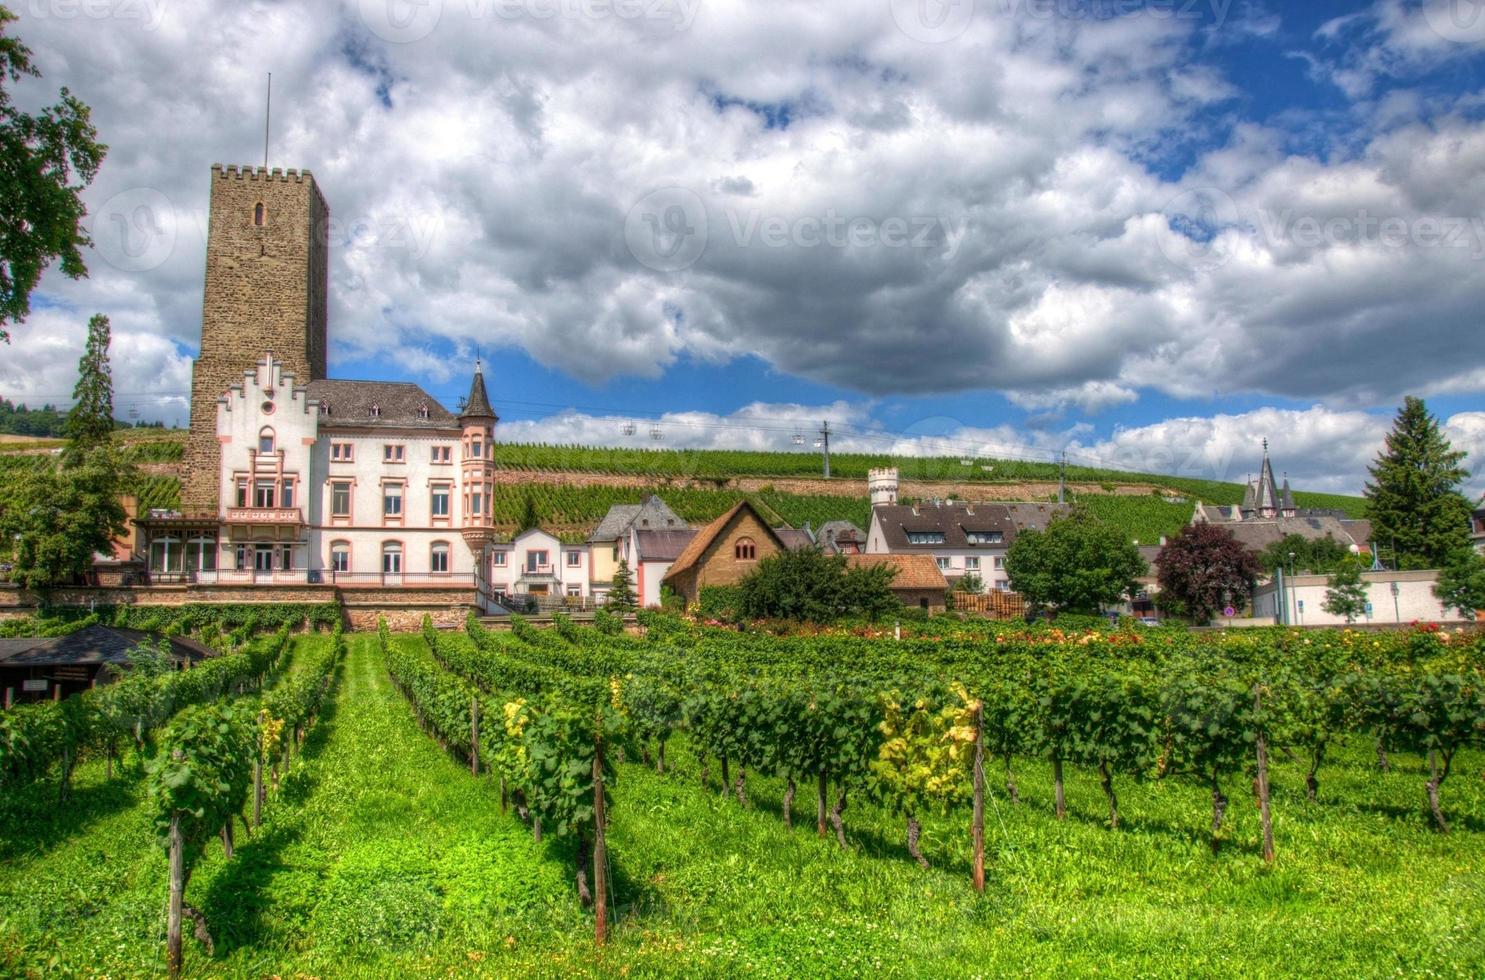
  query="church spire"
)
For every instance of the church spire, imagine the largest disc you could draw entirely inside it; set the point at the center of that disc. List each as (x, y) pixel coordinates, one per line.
(1268, 488)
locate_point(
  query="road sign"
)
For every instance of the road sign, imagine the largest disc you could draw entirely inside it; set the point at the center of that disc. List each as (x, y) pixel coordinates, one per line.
(1229, 612)
(1368, 608)
(1301, 605)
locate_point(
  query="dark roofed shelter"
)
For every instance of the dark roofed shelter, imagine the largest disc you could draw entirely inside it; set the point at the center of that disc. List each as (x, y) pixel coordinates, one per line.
(38, 668)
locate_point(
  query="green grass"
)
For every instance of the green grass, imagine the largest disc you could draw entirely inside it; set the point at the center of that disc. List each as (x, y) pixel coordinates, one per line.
(381, 856)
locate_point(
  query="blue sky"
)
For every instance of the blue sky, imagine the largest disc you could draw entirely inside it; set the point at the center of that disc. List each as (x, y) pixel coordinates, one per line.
(1146, 234)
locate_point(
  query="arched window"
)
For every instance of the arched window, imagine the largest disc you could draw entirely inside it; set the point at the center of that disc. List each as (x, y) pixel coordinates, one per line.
(438, 557)
(340, 556)
(265, 440)
(259, 214)
(392, 558)
(745, 550)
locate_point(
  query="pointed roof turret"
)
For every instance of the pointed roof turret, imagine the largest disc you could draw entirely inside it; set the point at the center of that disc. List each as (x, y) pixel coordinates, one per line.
(477, 405)
(1286, 499)
(1268, 487)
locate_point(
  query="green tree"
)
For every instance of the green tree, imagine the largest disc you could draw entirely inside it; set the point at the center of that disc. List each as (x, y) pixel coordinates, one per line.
(1346, 595)
(810, 586)
(1078, 564)
(1419, 517)
(621, 596)
(1203, 568)
(149, 658)
(970, 583)
(1317, 556)
(90, 424)
(54, 520)
(1461, 583)
(48, 159)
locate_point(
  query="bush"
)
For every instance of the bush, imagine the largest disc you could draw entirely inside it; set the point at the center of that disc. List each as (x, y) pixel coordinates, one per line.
(810, 586)
(718, 601)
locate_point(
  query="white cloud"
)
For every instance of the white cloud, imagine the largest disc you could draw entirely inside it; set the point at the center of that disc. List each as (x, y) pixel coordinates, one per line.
(481, 176)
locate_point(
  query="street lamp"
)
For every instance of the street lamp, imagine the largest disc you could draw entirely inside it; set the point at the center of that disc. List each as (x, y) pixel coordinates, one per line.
(1292, 593)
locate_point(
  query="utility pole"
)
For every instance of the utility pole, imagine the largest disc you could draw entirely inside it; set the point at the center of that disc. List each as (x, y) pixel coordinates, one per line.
(825, 445)
(1062, 478)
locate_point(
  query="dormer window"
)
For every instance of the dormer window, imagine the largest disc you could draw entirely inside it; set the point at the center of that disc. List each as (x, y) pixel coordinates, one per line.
(324, 408)
(376, 411)
(260, 215)
(423, 411)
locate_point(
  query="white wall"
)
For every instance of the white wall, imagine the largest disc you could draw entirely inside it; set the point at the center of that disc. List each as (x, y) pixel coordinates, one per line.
(505, 578)
(1415, 600)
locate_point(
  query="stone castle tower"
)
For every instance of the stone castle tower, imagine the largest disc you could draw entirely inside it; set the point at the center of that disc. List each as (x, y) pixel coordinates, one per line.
(267, 266)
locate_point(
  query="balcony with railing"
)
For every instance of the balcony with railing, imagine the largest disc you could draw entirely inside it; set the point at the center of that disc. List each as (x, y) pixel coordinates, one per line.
(274, 516)
(404, 580)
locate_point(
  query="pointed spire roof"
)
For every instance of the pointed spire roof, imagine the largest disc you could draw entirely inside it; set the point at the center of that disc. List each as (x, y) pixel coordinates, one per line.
(1268, 487)
(477, 405)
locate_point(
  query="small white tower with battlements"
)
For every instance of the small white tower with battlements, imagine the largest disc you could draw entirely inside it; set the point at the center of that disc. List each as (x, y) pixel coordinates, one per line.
(882, 485)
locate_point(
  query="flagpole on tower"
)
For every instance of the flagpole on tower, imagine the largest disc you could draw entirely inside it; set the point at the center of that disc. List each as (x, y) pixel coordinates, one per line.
(267, 115)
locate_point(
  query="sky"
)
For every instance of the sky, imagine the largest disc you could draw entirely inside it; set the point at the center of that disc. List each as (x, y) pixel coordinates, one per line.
(1146, 234)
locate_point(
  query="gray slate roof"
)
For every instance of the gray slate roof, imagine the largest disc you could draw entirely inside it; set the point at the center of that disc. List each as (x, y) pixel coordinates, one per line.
(90, 646)
(401, 405)
(833, 532)
(952, 519)
(662, 545)
(1034, 516)
(1257, 535)
(477, 405)
(652, 513)
(794, 538)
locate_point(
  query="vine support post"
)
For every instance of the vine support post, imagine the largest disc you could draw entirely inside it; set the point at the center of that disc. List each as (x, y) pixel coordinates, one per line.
(977, 819)
(474, 735)
(177, 897)
(1060, 801)
(600, 856)
(820, 803)
(1264, 816)
(257, 793)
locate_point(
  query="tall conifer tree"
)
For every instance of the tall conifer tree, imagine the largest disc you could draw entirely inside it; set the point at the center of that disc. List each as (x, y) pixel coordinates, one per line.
(1419, 517)
(90, 423)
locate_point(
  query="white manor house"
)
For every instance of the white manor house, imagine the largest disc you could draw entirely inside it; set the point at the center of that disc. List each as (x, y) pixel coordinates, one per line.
(340, 483)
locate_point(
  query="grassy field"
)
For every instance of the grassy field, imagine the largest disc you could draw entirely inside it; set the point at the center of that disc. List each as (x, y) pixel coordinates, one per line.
(381, 856)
